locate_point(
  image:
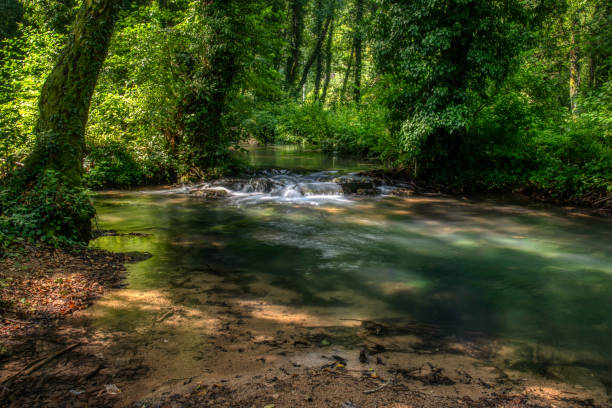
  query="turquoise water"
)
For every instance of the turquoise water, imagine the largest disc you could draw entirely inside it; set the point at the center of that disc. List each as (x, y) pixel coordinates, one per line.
(470, 267)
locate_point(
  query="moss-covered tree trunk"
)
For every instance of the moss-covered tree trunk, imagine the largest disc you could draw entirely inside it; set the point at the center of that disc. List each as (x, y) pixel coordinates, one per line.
(205, 145)
(574, 68)
(296, 9)
(316, 53)
(357, 45)
(347, 73)
(64, 102)
(328, 61)
(319, 18)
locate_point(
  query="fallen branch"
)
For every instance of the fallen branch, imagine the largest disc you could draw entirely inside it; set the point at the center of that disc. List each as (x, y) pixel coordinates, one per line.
(380, 387)
(42, 363)
(92, 373)
(165, 316)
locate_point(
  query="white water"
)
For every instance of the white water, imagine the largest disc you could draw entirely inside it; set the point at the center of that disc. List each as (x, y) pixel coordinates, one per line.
(283, 186)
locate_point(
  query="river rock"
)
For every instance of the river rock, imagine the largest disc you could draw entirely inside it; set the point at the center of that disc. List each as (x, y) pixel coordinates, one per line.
(259, 185)
(210, 193)
(324, 188)
(367, 191)
(361, 186)
(402, 192)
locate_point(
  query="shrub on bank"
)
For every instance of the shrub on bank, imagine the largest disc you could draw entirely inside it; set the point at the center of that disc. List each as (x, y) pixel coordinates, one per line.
(345, 129)
(46, 212)
(116, 164)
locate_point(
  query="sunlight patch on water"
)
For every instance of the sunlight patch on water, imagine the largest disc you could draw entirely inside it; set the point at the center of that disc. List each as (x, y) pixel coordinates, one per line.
(465, 243)
(403, 288)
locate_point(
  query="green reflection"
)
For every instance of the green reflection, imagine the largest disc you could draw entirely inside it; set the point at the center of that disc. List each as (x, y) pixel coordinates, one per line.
(298, 158)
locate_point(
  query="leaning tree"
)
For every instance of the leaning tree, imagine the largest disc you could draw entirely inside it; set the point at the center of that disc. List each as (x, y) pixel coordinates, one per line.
(51, 180)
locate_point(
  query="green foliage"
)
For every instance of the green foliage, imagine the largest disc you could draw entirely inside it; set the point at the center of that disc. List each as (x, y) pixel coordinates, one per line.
(169, 90)
(111, 165)
(343, 129)
(470, 94)
(12, 12)
(575, 159)
(512, 145)
(572, 165)
(10, 139)
(43, 210)
(443, 57)
(473, 108)
(25, 61)
(50, 15)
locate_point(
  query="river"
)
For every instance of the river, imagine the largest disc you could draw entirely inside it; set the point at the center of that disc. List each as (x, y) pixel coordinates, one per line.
(529, 277)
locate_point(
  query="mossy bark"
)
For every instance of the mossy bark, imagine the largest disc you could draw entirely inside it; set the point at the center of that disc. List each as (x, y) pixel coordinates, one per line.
(328, 61)
(347, 73)
(316, 53)
(66, 95)
(205, 105)
(319, 61)
(296, 9)
(357, 45)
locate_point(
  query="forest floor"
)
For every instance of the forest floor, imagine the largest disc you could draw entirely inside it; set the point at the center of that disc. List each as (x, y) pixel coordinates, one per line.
(232, 350)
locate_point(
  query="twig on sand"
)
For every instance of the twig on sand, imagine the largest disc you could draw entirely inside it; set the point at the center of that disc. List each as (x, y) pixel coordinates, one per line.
(165, 315)
(42, 363)
(380, 387)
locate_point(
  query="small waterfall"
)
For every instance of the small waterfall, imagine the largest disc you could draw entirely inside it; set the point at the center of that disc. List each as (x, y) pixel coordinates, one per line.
(283, 186)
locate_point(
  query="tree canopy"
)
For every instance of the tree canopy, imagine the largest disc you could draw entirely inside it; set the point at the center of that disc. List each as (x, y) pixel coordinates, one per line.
(475, 95)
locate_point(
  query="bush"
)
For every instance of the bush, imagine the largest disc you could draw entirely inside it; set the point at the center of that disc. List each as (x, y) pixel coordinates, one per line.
(117, 164)
(45, 210)
(344, 129)
(573, 163)
(112, 164)
(513, 145)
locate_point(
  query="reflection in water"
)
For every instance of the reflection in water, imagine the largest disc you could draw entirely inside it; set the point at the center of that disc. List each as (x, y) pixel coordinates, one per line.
(498, 269)
(299, 159)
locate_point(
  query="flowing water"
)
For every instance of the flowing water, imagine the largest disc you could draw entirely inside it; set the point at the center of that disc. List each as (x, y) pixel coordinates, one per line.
(522, 274)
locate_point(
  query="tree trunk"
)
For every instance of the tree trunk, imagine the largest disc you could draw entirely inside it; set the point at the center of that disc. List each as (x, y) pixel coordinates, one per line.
(295, 42)
(328, 61)
(207, 103)
(592, 70)
(64, 100)
(318, 76)
(574, 68)
(358, 43)
(347, 74)
(574, 81)
(315, 53)
(319, 60)
(65, 97)
(277, 8)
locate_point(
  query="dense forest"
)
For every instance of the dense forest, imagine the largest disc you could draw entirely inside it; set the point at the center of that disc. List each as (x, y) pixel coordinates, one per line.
(471, 95)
